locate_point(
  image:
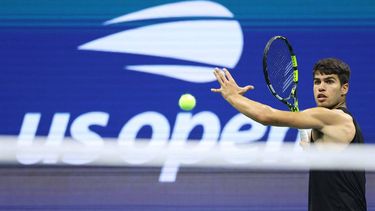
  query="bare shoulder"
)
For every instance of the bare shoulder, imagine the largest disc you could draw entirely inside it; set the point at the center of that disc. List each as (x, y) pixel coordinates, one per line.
(329, 116)
(338, 126)
(343, 115)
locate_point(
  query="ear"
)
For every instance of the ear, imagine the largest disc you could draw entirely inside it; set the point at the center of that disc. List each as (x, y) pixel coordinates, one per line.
(344, 89)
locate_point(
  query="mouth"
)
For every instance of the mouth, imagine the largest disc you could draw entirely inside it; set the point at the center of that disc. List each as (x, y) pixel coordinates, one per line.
(321, 97)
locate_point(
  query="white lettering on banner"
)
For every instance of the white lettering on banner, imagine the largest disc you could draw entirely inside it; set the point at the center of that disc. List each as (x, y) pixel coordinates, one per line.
(80, 131)
(232, 130)
(235, 133)
(185, 123)
(232, 136)
(54, 138)
(160, 134)
(26, 137)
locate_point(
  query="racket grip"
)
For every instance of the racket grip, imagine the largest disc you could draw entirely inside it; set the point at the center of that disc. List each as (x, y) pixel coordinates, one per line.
(303, 135)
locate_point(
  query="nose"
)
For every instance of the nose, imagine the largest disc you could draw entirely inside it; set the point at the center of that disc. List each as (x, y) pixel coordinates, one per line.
(321, 87)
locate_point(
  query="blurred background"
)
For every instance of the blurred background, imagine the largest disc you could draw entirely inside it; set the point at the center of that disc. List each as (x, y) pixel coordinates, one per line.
(92, 70)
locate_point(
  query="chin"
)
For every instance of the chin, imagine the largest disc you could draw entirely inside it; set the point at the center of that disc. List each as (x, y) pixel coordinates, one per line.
(324, 105)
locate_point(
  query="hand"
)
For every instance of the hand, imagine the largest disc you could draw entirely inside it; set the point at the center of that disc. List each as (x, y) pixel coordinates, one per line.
(228, 85)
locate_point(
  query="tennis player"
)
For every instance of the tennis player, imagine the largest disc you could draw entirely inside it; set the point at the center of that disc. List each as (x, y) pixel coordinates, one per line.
(331, 123)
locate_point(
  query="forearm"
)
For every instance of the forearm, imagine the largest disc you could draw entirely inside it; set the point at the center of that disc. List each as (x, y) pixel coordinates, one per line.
(267, 115)
(311, 118)
(252, 109)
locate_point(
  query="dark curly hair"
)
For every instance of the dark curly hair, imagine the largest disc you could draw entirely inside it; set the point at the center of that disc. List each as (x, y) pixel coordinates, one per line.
(330, 66)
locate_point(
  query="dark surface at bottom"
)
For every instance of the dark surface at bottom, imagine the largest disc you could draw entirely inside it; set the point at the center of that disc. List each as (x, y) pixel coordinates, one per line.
(56, 188)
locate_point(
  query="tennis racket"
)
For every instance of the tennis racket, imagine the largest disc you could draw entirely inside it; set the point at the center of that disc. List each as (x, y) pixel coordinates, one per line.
(280, 70)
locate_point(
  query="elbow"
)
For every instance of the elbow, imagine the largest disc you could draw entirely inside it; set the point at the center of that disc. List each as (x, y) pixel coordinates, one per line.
(265, 120)
(265, 116)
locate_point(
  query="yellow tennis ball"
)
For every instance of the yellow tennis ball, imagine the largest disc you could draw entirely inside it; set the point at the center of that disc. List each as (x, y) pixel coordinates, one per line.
(187, 102)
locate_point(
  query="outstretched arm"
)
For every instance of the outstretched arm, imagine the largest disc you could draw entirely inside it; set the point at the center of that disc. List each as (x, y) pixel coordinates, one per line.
(259, 112)
(316, 118)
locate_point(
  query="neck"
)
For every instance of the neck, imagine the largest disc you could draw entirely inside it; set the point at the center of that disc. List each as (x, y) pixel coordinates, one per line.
(341, 104)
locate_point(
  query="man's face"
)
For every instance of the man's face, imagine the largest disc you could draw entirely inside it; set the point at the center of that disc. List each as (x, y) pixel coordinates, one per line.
(328, 92)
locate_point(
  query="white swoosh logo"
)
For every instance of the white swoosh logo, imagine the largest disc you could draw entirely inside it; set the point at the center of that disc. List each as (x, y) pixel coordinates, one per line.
(209, 42)
(195, 74)
(175, 10)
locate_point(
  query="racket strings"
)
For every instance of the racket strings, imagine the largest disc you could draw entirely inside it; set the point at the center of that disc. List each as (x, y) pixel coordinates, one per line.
(280, 68)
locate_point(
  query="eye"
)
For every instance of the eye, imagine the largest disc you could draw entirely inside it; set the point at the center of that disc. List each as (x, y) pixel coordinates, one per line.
(316, 82)
(330, 81)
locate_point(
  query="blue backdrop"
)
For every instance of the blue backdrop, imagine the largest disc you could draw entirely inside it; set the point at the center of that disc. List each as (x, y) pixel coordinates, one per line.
(44, 73)
(116, 68)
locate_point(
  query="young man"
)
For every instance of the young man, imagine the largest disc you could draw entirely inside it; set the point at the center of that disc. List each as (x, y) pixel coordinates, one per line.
(331, 123)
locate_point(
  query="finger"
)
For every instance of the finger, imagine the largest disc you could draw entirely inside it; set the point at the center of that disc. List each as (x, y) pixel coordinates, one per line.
(246, 88)
(227, 73)
(218, 78)
(221, 74)
(216, 90)
(249, 87)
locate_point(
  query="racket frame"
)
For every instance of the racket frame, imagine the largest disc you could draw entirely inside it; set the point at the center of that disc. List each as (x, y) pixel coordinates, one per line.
(293, 106)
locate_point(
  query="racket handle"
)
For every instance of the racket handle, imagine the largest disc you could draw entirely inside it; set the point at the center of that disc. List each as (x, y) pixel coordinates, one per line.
(303, 135)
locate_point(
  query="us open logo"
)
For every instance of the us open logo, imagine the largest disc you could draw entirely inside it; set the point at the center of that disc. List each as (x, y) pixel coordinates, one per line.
(212, 37)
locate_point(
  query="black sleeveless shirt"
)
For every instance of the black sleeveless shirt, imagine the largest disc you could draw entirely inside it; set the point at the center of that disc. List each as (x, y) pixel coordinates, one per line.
(338, 190)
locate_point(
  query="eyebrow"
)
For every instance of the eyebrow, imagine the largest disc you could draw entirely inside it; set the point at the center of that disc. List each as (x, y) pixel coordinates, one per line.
(328, 78)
